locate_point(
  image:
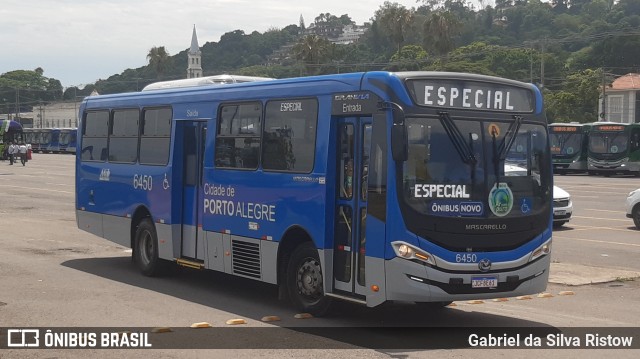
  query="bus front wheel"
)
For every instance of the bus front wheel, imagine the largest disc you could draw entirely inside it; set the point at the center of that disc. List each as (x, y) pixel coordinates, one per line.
(304, 280)
(145, 251)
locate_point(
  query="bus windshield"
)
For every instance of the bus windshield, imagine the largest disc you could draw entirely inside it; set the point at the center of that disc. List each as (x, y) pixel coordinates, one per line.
(65, 136)
(565, 144)
(440, 181)
(608, 142)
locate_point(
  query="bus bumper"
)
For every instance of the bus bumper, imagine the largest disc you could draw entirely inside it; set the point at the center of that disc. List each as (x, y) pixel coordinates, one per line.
(410, 281)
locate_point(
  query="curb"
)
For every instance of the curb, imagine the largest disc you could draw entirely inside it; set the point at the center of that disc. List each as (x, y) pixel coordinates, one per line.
(577, 274)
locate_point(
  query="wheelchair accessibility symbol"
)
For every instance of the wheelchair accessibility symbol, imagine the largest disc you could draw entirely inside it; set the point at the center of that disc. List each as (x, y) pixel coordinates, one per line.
(525, 207)
(165, 183)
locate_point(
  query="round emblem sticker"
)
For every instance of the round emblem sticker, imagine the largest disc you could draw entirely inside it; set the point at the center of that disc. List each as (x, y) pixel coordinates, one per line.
(501, 200)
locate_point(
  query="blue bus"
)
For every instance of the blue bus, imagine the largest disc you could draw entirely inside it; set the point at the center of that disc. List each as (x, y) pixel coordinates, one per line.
(66, 140)
(71, 140)
(46, 140)
(39, 138)
(569, 147)
(32, 136)
(366, 187)
(52, 141)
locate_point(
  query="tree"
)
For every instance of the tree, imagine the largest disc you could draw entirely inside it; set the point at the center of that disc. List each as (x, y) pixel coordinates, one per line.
(409, 58)
(439, 30)
(159, 60)
(346, 20)
(578, 100)
(311, 49)
(20, 90)
(395, 19)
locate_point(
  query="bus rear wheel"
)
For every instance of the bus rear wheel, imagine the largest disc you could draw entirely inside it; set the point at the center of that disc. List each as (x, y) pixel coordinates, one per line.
(304, 280)
(145, 251)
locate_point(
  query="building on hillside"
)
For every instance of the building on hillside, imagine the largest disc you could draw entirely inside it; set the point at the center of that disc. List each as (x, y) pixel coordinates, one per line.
(324, 29)
(339, 35)
(621, 100)
(194, 57)
(282, 56)
(349, 35)
(336, 32)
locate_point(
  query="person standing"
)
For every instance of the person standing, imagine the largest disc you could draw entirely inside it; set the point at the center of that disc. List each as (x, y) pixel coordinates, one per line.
(23, 153)
(11, 151)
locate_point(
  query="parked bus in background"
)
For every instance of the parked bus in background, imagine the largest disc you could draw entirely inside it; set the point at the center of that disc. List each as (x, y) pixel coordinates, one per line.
(46, 136)
(366, 187)
(34, 136)
(30, 136)
(614, 148)
(52, 142)
(569, 147)
(66, 140)
(10, 131)
(71, 140)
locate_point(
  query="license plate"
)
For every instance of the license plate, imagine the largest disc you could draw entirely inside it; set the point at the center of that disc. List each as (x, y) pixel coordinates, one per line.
(559, 213)
(484, 282)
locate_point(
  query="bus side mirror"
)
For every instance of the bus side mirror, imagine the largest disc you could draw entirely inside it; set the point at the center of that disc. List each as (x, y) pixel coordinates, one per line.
(399, 140)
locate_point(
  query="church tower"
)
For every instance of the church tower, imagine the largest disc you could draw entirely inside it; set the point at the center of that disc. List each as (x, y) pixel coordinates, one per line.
(194, 57)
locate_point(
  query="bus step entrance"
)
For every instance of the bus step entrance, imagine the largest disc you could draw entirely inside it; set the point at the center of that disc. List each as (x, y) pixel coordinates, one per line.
(189, 263)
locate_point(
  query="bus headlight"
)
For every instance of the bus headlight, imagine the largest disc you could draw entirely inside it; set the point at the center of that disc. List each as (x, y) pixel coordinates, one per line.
(407, 251)
(543, 250)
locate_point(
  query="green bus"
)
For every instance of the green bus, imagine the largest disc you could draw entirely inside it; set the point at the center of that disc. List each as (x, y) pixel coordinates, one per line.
(614, 148)
(10, 131)
(569, 147)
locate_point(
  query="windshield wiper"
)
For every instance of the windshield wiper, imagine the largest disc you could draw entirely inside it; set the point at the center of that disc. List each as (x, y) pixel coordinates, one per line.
(509, 137)
(464, 149)
(500, 152)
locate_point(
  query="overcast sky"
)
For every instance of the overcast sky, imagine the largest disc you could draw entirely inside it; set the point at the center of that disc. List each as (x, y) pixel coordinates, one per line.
(81, 41)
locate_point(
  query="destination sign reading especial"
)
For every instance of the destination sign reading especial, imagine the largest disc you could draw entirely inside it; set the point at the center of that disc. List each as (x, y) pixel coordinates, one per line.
(471, 95)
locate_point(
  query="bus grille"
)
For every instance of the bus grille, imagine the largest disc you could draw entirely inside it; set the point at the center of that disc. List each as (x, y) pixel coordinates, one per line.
(246, 258)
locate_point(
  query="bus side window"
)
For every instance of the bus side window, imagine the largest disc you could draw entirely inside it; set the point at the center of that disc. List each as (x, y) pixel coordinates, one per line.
(418, 153)
(346, 161)
(238, 136)
(274, 152)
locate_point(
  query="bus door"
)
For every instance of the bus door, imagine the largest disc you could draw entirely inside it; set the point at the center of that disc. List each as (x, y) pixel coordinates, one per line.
(354, 142)
(192, 160)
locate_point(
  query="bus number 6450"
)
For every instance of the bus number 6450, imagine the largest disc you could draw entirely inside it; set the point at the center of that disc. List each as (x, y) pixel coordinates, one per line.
(466, 258)
(144, 182)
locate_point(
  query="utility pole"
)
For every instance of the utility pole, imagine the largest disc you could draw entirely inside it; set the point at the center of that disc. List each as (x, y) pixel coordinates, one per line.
(542, 63)
(17, 104)
(604, 103)
(531, 62)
